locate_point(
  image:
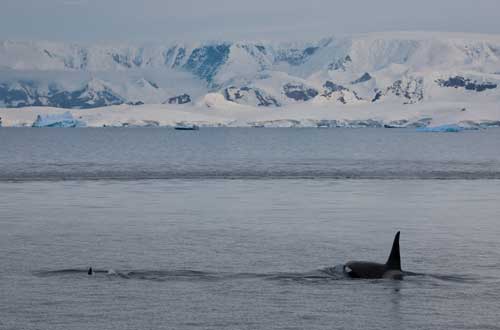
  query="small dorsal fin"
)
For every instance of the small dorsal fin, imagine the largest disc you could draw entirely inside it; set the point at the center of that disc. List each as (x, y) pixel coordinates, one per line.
(394, 261)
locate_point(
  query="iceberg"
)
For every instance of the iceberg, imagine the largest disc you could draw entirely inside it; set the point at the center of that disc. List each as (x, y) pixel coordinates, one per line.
(442, 128)
(57, 120)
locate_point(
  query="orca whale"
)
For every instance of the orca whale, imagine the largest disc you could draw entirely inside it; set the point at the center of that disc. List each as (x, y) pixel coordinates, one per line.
(391, 269)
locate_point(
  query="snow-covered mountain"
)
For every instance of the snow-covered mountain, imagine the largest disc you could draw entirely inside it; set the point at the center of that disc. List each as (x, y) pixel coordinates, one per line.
(396, 68)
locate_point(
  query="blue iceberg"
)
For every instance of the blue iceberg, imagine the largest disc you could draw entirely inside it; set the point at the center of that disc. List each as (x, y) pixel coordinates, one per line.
(57, 120)
(442, 128)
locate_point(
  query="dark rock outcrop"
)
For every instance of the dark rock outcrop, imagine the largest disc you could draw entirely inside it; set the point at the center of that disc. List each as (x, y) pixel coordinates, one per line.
(250, 96)
(21, 94)
(135, 103)
(365, 77)
(299, 92)
(180, 99)
(296, 56)
(341, 64)
(205, 61)
(410, 89)
(468, 84)
(93, 95)
(28, 93)
(338, 92)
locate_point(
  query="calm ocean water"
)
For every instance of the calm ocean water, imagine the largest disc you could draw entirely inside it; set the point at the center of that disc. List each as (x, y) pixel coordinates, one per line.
(53, 154)
(243, 228)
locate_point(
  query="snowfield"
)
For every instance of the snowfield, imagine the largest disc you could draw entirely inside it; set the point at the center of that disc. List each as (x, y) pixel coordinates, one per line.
(397, 79)
(222, 113)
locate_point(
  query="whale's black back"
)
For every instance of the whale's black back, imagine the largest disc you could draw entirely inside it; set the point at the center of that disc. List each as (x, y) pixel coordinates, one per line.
(364, 269)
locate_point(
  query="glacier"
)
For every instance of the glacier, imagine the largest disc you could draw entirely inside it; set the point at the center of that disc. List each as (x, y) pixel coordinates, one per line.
(216, 111)
(389, 78)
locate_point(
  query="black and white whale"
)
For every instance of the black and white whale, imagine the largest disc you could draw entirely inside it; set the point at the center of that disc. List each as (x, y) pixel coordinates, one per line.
(391, 269)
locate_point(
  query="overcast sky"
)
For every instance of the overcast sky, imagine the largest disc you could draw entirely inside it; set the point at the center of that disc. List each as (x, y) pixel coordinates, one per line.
(166, 20)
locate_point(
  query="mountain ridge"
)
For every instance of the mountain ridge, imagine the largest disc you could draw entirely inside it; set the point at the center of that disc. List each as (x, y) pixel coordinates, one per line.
(395, 67)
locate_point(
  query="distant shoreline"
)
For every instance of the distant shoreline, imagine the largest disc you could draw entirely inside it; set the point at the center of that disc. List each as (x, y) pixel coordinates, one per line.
(233, 115)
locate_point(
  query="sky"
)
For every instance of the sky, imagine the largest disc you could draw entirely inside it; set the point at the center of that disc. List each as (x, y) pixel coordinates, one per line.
(169, 20)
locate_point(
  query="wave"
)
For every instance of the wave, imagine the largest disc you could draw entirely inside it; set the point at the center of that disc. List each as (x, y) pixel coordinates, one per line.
(188, 274)
(250, 175)
(322, 275)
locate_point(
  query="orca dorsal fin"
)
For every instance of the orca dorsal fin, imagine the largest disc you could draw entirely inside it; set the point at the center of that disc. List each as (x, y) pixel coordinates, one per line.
(394, 261)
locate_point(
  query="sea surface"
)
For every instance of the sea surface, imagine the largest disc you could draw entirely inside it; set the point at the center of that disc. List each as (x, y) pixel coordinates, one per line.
(247, 228)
